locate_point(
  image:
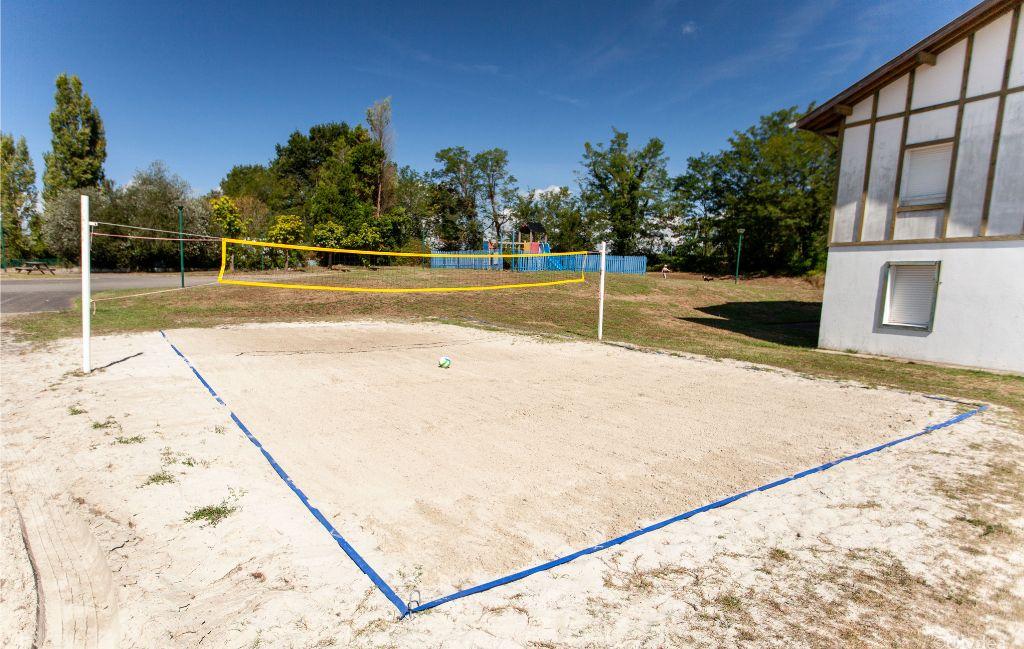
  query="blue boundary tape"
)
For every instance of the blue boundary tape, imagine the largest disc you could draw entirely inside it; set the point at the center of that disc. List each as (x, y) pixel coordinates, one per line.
(356, 558)
(681, 517)
(405, 609)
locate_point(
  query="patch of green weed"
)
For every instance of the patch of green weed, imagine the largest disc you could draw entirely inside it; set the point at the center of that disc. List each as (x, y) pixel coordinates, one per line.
(160, 477)
(211, 514)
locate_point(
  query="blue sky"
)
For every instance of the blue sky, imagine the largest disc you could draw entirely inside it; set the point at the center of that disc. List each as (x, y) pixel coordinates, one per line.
(206, 85)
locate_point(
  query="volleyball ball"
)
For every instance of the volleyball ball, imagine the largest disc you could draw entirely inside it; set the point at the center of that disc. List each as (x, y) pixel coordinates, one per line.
(444, 362)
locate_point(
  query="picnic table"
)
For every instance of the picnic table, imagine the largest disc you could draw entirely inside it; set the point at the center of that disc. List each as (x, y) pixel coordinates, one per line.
(40, 266)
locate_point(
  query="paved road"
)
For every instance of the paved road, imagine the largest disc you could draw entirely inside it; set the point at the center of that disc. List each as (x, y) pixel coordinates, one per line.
(56, 293)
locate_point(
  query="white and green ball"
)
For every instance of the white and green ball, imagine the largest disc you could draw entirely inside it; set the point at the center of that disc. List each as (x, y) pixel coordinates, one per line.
(444, 362)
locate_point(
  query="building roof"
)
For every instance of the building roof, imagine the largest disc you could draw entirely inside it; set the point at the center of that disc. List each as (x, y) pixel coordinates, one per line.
(827, 117)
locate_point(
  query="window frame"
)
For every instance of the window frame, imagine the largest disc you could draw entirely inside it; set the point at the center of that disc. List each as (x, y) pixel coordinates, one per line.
(883, 312)
(908, 155)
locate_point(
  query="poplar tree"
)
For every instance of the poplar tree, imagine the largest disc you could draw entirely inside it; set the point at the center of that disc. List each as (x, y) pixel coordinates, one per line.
(17, 194)
(79, 142)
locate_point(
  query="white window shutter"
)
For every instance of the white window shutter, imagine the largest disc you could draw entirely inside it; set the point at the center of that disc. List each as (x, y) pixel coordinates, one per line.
(926, 175)
(912, 294)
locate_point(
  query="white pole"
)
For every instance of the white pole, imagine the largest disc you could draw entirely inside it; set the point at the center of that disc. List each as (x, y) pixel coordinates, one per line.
(86, 285)
(600, 307)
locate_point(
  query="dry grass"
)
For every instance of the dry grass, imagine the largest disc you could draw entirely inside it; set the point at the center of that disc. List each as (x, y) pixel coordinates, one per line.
(634, 579)
(778, 554)
(827, 596)
(511, 605)
(771, 321)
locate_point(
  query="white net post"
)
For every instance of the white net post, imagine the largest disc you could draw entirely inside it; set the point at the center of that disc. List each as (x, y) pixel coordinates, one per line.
(600, 303)
(86, 285)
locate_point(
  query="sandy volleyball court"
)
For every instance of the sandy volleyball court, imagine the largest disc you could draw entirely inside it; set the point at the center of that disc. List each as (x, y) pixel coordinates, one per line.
(524, 450)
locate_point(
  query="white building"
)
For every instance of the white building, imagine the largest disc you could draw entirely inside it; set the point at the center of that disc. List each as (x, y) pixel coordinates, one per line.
(926, 242)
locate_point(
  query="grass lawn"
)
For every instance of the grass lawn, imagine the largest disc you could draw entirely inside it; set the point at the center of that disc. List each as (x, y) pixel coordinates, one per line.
(773, 321)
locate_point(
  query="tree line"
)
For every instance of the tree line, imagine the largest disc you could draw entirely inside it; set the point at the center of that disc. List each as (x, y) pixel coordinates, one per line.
(338, 185)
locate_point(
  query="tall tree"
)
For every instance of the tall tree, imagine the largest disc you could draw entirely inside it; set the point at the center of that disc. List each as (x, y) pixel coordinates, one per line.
(776, 183)
(256, 181)
(365, 159)
(626, 189)
(17, 196)
(497, 186)
(696, 209)
(459, 175)
(525, 208)
(334, 196)
(446, 212)
(412, 195)
(298, 161)
(378, 119)
(79, 142)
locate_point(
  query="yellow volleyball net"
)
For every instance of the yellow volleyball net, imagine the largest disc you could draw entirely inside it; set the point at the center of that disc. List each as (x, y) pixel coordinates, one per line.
(278, 265)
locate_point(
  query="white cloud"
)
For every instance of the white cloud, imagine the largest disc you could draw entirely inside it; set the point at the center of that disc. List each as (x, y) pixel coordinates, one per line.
(687, 28)
(537, 193)
(550, 189)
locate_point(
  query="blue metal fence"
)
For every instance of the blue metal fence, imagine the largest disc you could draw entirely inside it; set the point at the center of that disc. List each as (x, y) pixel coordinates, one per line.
(623, 264)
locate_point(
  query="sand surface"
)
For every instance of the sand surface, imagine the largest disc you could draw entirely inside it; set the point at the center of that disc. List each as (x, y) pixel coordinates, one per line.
(523, 450)
(17, 590)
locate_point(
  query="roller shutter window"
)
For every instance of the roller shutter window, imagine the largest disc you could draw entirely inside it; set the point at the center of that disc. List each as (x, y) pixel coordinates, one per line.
(925, 175)
(911, 294)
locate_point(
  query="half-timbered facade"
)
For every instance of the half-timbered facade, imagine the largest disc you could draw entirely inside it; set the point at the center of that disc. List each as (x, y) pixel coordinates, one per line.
(926, 254)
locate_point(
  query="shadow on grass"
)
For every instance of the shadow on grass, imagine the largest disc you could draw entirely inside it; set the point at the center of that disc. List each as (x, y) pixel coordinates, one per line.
(786, 322)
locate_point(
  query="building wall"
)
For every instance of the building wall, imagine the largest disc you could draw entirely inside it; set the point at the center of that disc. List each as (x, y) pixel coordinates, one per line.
(979, 307)
(970, 98)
